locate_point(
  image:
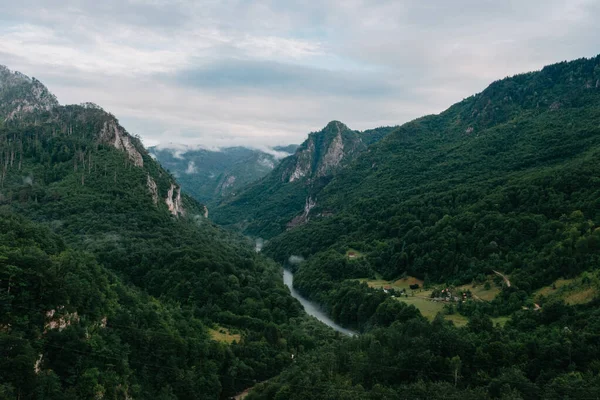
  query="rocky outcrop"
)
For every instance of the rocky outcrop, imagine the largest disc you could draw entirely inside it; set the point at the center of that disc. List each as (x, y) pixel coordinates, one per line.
(38, 364)
(303, 218)
(205, 212)
(60, 322)
(151, 184)
(334, 155)
(115, 135)
(173, 201)
(303, 163)
(228, 182)
(323, 153)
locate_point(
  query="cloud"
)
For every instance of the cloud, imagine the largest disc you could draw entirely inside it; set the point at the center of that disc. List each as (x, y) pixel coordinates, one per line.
(295, 260)
(261, 73)
(274, 153)
(276, 77)
(191, 168)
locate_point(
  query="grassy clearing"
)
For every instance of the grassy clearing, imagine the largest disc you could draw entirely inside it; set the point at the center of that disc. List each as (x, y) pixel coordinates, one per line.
(480, 292)
(396, 285)
(421, 298)
(459, 320)
(500, 320)
(223, 335)
(581, 296)
(429, 309)
(549, 290)
(579, 290)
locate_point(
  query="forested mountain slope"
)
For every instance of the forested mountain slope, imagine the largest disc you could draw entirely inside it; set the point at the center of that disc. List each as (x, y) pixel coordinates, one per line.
(284, 198)
(111, 279)
(209, 175)
(502, 184)
(506, 179)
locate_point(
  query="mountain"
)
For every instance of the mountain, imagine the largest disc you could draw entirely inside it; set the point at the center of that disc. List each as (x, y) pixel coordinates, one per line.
(487, 218)
(290, 149)
(284, 198)
(209, 175)
(20, 94)
(462, 247)
(496, 182)
(112, 282)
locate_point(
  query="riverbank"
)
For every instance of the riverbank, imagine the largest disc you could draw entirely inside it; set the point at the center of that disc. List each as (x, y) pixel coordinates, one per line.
(312, 308)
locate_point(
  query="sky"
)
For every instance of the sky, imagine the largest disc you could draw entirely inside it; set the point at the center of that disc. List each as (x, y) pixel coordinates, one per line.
(260, 73)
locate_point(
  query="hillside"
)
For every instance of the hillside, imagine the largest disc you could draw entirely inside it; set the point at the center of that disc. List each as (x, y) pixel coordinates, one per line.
(284, 198)
(112, 282)
(498, 181)
(462, 246)
(209, 175)
(463, 215)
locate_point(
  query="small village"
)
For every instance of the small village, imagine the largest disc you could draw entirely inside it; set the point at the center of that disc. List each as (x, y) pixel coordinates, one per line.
(447, 295)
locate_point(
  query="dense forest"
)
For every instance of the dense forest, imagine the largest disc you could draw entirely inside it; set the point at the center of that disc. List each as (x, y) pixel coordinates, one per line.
(504, 182)
(113, 286)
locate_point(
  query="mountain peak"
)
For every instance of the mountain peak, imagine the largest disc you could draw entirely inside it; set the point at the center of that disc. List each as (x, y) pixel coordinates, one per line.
(323, 152)
(20, 94)
(335, 125)
(25, 101)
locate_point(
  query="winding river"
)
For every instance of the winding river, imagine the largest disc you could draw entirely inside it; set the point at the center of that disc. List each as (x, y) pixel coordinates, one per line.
(312, 308)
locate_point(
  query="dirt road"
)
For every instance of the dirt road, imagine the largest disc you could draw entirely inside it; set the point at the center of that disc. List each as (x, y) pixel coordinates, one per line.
(503, 277)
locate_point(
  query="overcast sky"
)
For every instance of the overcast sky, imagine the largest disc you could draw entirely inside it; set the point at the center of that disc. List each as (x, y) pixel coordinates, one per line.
(243, 72)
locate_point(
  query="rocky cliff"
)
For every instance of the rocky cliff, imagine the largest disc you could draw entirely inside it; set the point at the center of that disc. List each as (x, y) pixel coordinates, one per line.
(25, 101)
(323, 153)
(290, 191)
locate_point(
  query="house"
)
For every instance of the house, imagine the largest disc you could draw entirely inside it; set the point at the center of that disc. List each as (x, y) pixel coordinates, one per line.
(351, 254)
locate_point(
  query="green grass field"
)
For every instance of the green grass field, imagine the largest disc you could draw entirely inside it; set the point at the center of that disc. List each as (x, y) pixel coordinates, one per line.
(500, 320)
(396, 285)
(479, 291)
(421, 298)
(223, 335)
(579, 290)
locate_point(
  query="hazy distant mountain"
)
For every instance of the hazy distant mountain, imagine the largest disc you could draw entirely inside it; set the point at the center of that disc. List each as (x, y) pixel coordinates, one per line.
(209, 174)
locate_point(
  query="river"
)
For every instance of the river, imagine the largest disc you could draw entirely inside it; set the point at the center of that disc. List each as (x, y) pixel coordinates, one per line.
(312, 308)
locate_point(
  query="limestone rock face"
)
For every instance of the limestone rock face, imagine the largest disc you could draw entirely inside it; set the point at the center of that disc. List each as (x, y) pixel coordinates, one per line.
(153, 189)
(304, 160)
(334, 155)
(323, 153)
(115, 135)
(61, 321)
(304, 217)
(173, 201)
